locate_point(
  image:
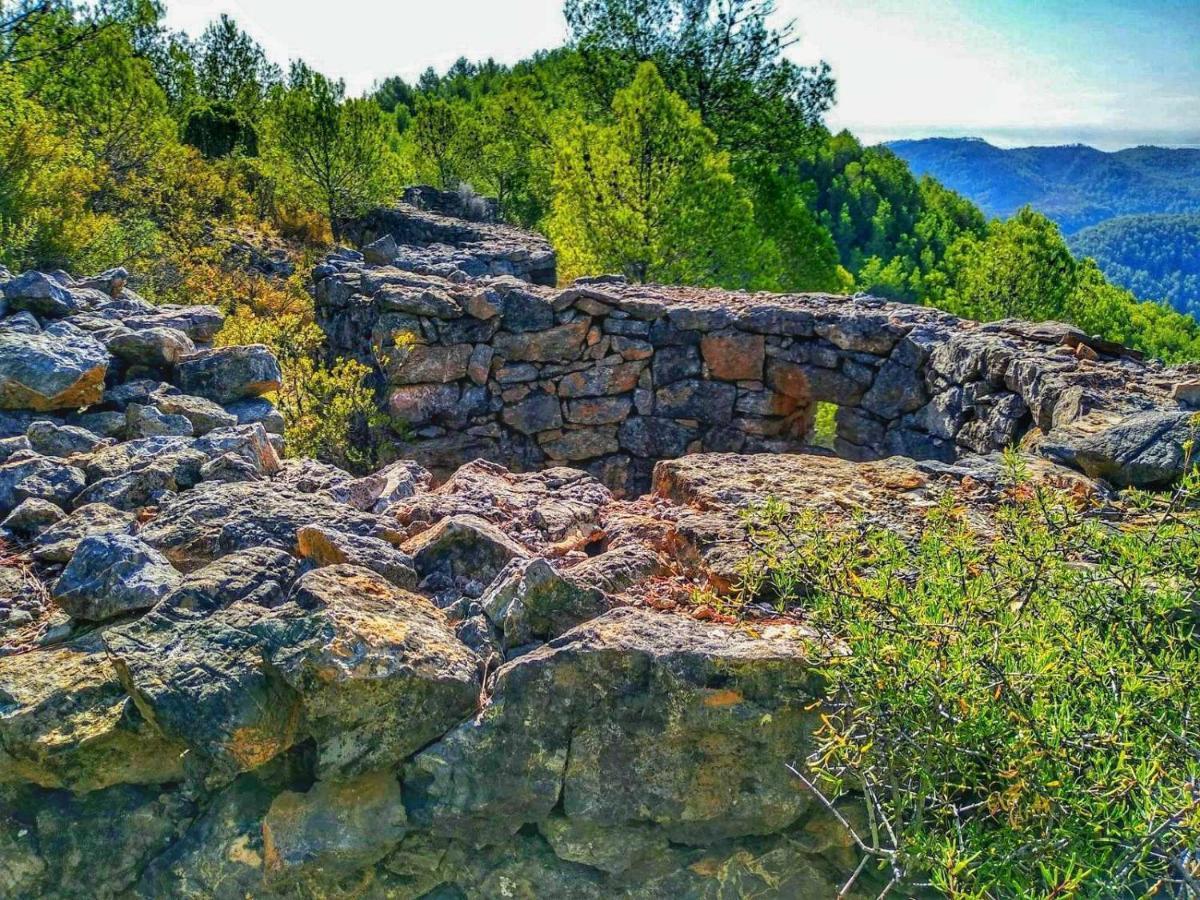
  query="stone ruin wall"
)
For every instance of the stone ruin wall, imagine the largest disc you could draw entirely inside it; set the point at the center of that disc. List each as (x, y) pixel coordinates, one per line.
(478, 356)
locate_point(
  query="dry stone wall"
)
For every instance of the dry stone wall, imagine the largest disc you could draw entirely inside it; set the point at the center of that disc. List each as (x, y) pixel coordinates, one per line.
(611, 376)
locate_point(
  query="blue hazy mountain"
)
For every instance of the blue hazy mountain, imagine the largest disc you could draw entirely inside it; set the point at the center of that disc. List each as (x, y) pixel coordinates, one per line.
(1075, 185)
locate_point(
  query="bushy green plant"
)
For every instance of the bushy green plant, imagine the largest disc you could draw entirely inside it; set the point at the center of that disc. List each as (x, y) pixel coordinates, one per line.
(329, 410)
(1015, 705)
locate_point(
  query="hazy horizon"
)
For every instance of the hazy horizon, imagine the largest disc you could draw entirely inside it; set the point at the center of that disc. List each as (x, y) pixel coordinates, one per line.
(1109, 73)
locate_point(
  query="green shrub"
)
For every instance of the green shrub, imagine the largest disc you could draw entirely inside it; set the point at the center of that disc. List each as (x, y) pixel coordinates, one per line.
(1016, 705)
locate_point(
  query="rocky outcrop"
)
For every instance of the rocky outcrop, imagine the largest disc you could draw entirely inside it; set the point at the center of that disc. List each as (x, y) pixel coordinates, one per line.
(224, 674)
(612, 377)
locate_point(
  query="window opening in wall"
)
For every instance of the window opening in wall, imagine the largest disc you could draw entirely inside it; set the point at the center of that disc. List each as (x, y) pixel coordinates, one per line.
(824, 427)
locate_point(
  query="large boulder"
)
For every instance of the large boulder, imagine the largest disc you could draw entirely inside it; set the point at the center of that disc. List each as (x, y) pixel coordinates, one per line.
(1142, 450)
(685, 725)
(228, 374)
(66, 722)
(380, 672)
(332, 832)
(223, 666)
(531, 601)
(546, 511)
(112, 574)
(50, 371)
(157, 347)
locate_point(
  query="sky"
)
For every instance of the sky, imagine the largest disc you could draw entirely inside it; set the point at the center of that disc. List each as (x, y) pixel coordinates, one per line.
(1111, 73)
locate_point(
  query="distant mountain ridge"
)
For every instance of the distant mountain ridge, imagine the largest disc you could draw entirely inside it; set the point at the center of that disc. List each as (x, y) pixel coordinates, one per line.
(1155, 256)
(1075, 185)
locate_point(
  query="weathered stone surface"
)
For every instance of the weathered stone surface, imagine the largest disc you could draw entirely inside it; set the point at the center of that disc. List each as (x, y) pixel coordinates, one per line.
(537, 412)
(420, 363)
(63, 441)
(463, 546)
(31, 518)
(66, 722)
(150, 421)
(599, 410)
(40, 294)
(379, 671)
(204, 415)
(564, 342)
(420, 404)
(602, 381)
(707, 401)
(228, 374)
(629, 760)
(58, 542)
(545, 511)
(202, 678)
(1143, 449)
(582, 443)
(333, 831)
(113, 574)
(256, 411)
(391, 484)
(154, 347)
(530, 601)
(50, 371)
(734, 356)
(326, 547)
(27, 475)
(215, 519)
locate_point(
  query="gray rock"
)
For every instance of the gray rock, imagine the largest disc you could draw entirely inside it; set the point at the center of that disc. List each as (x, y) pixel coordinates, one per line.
(381, 252)
(12, 445)
(62, 441)
(47, 371)
(106, 423)
(28, 475)
(462, 546)
(113, 574)
(257, 411)
(149, 421)
(537, 412)
(31, 518)
(200, 323)
(228, 374)
(581, 443)
(676, 713)
(58, 542)
(706, 401)
(41, 295)
(530, 601)
(332, 832)
(216, 519)
(326, 547)
(204, 415)
(379, 490)
(156, 348)
(1141, 450)
(655, 438)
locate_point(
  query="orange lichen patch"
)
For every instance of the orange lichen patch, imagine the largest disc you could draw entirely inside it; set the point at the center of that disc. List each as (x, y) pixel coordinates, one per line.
(252, 746)
(720, 699)
(240, 851)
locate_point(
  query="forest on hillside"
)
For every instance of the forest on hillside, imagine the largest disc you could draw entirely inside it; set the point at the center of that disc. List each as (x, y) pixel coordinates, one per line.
(678, 144)
(1152, 256)
(1133, 211)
